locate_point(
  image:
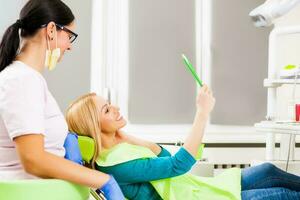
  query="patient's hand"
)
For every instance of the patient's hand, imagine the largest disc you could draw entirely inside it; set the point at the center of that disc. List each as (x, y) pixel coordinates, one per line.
(205, 101)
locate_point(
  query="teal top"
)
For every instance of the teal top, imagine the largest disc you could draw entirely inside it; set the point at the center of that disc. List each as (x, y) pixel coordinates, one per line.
(134, 176)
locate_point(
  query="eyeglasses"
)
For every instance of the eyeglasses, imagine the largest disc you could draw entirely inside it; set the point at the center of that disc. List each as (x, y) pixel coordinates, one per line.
(72, 35)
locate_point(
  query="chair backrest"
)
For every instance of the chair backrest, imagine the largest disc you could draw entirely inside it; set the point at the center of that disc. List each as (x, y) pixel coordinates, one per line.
(87, 148)
(45, 189)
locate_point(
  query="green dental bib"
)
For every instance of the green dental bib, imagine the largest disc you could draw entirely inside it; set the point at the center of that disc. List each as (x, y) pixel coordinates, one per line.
(226, 186)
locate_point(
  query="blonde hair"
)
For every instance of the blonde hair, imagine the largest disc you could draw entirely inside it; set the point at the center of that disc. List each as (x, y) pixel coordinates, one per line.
(83, 118)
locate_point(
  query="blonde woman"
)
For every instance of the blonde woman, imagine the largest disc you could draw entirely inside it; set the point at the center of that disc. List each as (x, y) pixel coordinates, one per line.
(145, 170)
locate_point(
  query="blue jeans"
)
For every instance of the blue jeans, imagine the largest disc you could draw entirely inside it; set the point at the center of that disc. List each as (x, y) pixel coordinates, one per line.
(266, 181)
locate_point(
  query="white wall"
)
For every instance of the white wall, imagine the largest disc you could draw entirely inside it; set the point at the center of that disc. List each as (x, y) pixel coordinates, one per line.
(9, 13)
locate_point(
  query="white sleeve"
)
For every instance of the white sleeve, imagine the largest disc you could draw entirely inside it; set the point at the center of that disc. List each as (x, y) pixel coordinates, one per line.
(22, 106)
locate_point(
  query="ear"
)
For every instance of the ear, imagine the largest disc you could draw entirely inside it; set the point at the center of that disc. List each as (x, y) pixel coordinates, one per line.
(51, 30)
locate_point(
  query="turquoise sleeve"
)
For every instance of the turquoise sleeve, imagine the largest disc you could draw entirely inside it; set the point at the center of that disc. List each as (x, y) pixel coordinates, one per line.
(145, 170)
(164, 152)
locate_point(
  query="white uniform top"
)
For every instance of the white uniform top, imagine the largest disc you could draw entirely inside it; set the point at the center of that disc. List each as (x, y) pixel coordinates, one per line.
(27, 107)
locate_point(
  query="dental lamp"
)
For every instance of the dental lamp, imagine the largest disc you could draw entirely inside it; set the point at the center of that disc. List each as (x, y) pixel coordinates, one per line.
(265, 14)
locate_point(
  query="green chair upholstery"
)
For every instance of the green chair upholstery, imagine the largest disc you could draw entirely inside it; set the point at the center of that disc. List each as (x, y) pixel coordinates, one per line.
(42, 189)
(87, 148)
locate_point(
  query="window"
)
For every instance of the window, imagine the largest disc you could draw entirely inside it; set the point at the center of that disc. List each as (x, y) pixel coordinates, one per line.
(238, 62)
(142, 46)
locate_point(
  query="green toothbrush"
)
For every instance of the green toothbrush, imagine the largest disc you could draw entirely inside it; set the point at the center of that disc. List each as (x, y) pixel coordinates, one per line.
(192, 70)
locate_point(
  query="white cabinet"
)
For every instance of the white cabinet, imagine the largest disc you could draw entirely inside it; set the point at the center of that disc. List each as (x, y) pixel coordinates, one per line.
(271, 127)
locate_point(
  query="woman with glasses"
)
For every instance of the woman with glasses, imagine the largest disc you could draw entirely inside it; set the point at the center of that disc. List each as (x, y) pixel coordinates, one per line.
(32, 127)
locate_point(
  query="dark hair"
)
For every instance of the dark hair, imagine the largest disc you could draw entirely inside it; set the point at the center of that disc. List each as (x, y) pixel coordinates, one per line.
(32, 16)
